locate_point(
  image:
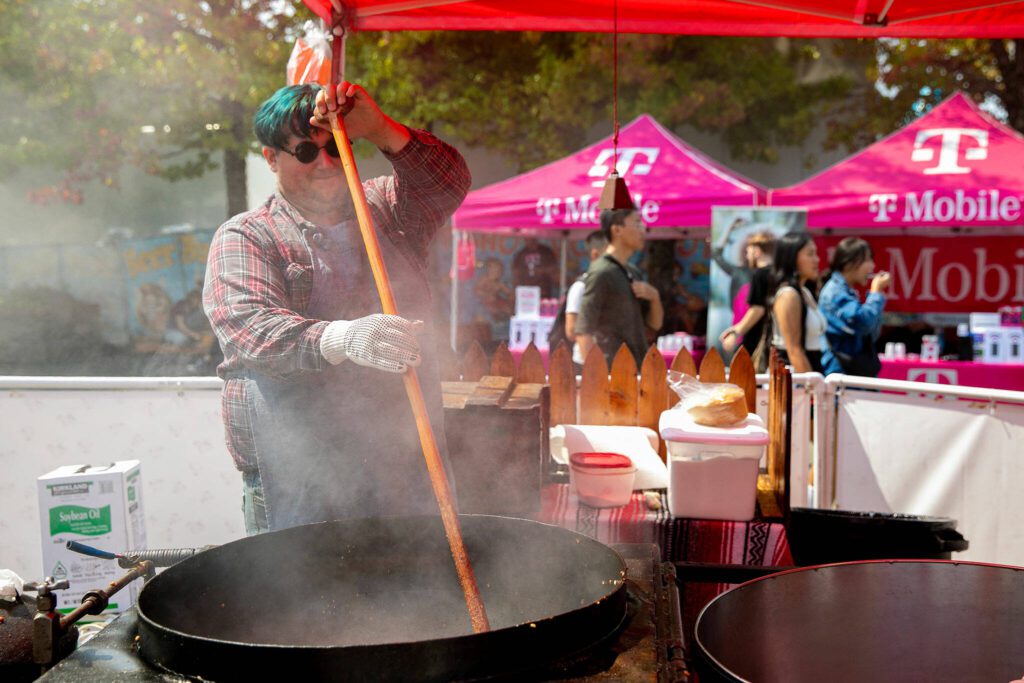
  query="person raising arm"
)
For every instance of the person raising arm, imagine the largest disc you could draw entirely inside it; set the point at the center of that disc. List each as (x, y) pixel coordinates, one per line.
(853, 325)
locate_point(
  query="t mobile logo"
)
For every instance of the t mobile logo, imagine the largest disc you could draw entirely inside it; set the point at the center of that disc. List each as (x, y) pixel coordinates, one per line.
(635, 160)
(949, 149)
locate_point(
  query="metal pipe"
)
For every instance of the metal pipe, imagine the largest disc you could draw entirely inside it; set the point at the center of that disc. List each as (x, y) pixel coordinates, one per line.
(453, 335)
(852, 382)
(95, 601)
(160, 557)
(26, 383)
(128, 560)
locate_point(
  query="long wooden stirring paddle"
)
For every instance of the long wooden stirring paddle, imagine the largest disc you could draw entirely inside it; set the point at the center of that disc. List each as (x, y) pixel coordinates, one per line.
(438, 480)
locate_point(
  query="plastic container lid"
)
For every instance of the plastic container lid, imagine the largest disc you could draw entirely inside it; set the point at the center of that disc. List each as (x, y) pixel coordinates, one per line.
(601, 460)
(677, 425)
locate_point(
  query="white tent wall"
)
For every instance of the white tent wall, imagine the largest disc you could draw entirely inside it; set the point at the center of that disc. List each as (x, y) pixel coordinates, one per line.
(946, 452)
(950, 457)
(191, 492)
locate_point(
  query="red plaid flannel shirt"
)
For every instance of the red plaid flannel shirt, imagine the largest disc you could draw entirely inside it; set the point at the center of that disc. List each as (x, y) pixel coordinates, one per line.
(260, 275)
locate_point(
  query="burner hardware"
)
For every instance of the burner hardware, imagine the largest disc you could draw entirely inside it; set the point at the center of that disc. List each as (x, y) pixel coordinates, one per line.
(48, 626)
(95, 601)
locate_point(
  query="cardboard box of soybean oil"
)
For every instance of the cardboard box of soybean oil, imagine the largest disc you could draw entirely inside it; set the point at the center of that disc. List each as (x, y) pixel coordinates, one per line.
(100, 506)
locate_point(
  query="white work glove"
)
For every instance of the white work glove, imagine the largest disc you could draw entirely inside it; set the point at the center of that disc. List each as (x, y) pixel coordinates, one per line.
(384, 342)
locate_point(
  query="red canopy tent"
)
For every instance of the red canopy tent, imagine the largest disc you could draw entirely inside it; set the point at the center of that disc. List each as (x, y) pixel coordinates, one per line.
(808, 18)
(796, 18)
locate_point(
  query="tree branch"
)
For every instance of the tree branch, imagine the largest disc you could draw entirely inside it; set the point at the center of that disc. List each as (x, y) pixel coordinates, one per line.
(1012, 70)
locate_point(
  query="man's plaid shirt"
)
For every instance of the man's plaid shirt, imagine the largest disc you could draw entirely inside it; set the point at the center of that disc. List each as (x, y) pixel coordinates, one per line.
(260, 274)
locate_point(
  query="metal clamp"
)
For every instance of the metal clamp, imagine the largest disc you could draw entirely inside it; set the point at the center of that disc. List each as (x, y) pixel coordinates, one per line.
(46, 601)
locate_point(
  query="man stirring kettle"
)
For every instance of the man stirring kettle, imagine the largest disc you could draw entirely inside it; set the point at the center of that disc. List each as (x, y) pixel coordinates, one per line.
(315, 413)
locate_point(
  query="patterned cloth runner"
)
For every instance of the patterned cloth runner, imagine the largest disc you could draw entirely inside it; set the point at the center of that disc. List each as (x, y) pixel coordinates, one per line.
(681, 540)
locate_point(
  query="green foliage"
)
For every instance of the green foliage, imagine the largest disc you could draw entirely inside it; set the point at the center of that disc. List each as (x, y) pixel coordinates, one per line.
(536, 96)
(905, 78)
(86, 79)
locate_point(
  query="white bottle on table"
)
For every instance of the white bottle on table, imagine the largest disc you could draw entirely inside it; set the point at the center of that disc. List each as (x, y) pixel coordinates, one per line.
(930, 347)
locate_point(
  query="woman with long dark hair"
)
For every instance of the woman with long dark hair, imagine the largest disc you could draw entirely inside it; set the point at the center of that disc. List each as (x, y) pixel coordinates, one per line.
(799, 327)
(852, 325)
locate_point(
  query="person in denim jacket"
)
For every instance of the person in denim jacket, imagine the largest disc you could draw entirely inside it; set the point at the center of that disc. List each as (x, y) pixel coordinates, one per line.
(852, 325)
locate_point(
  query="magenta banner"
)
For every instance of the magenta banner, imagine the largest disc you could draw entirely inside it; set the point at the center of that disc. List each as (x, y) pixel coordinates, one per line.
(954, 166)
(955, 274)
(672, 184)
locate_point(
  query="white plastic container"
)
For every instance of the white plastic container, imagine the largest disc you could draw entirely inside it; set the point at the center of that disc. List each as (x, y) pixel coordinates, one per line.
(995, 345)
(522, 331)
(527, 302)
(1013, 349)
(988, 348)
(100, 506)
(930, 347)
(602, 480)
(712, 471)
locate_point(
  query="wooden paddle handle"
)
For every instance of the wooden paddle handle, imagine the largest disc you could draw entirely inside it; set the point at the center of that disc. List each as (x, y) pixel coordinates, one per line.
(438, 479)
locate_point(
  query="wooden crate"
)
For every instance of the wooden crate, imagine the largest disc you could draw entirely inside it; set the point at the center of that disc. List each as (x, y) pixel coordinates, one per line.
(497, 433)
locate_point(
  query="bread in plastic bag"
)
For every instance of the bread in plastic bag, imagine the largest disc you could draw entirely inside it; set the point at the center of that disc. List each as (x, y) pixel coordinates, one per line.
(711, 405)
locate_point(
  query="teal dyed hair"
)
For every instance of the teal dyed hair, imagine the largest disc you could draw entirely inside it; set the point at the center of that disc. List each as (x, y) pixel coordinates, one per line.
(286, 112)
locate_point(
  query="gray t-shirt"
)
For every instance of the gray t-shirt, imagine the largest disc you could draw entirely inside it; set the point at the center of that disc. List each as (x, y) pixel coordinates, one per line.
(610, 312)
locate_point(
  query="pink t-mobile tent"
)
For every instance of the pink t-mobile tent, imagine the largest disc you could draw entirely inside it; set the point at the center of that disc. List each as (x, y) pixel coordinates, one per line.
(673, 186)
(941, 202)
(954, 166)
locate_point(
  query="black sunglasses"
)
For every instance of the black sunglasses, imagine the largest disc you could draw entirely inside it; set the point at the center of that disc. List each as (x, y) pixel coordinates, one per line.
(307, 151)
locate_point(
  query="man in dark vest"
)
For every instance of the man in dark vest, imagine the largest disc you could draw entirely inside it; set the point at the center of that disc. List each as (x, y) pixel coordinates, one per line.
(618, 307)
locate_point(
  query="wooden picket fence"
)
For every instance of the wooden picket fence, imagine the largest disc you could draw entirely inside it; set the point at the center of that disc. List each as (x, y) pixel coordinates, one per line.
(622, 395)
(625, 395)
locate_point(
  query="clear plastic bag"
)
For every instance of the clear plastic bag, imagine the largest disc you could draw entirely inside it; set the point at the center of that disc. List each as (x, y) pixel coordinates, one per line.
(310, 61)
(712, 405)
